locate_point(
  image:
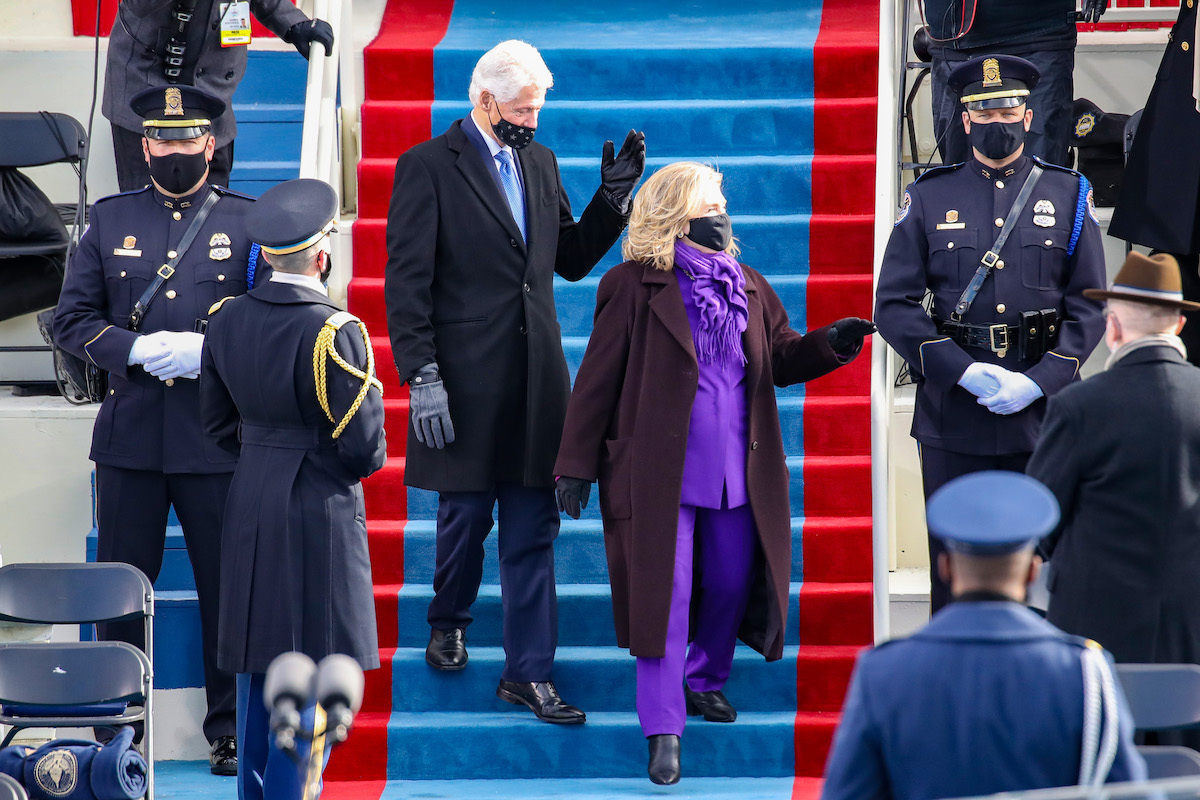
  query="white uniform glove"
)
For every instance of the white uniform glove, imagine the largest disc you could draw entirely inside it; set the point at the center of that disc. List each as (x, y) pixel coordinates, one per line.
(147, 347)
(1017, 391)
(981, 379)
(181, 359)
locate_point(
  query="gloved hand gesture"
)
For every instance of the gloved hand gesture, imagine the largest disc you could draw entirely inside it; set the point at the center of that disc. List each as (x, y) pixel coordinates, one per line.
(304, 33)
(429, 408)
(180, 359)
(147, 347)
(982, 379)
(846, 335)
(1017, 391)
(572, 495)
(1092, 9)
(618, 175)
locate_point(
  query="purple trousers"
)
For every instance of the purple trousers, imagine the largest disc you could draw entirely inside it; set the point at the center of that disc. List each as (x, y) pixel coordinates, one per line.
(727, 539)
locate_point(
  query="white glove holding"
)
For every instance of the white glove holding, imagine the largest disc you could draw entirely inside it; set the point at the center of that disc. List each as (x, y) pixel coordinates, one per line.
(1017, 391)
(181, 360)
(146, 348)
(982, 379)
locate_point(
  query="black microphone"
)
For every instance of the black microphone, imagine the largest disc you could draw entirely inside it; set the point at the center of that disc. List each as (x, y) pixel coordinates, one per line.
(287, 690)
(340, 692)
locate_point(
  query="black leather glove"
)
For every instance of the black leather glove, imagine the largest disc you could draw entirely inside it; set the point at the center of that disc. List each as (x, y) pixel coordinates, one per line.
(1092, 9)
(429, 408)
(572, 495)
(846, 335)
(619, 175)
(304, 34)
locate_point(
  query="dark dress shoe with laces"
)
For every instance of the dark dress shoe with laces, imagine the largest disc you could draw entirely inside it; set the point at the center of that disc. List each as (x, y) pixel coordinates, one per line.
(664, 759)
(542, 699)
(711, 705)
(447, 650)
(222, 760)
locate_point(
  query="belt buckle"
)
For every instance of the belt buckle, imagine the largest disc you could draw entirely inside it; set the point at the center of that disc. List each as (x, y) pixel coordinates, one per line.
(166, 271)
(1001, 329)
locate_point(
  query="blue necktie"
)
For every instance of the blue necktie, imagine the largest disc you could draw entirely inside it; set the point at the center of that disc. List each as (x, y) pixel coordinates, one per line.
(512, 190)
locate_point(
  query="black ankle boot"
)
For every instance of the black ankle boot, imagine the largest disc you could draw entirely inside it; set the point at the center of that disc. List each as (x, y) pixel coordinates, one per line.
(664, 758)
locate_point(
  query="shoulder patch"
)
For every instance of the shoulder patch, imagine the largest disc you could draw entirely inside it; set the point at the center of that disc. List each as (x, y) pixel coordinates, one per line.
(941, 169)
(1091, 207)
(215, 307)
(339, 319)
(905, 206)
(227, 192)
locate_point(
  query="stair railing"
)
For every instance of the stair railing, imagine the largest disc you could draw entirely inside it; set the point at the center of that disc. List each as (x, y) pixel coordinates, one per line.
(329, 143)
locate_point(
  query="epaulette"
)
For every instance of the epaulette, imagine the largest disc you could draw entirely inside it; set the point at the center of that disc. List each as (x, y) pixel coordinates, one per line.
(122, 194)
(941, 169)
(325, 350)
(215, 307)
(341, 318)
(1059, 167)
(226, 191)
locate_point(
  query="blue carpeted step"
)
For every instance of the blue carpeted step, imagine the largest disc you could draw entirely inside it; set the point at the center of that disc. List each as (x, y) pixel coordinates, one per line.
(588, 789)
(724, 127)
(514, 744)
(176, 572)
(269, 106)
(593, 678)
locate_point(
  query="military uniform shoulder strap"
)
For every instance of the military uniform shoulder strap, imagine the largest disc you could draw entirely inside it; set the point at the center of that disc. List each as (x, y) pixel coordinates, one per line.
(942, 169)
(325, 350)
(215, 307)
(122, 194)
(225, 191)
(1056, 167)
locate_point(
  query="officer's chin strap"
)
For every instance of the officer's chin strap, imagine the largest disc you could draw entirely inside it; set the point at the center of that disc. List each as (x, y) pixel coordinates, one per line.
(325, 347)
(1101, 723)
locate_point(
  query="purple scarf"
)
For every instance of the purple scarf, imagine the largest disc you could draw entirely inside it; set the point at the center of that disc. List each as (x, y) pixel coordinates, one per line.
(719, 292)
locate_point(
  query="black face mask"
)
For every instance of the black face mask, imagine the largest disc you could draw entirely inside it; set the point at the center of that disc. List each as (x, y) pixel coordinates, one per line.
(178, 172)
(515, 136)
(715, 233)
(997, 140)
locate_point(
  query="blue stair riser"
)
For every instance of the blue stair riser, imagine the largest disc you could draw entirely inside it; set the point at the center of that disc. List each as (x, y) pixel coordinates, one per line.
(584, 616)
(272, 77)
(513, 744)
(178, 660)
(578, 551)
(278, 138)
(595, 679)
(176, 571)
(714, 127)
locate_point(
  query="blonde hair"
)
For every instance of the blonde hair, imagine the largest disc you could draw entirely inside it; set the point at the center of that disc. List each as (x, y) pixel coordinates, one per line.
(661, 210)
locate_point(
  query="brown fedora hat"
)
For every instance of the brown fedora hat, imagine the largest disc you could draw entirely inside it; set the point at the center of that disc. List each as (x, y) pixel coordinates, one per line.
(1146, 279)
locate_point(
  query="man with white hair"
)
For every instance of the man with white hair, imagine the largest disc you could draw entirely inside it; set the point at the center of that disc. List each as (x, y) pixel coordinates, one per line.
(478, 225)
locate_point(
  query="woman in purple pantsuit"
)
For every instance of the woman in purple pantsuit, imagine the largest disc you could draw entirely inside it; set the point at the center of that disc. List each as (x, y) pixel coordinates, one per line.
(673, 411)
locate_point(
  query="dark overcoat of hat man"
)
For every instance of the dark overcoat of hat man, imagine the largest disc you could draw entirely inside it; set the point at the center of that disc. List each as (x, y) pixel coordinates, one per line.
(1009, 324)
(1119, 452)
(479, 224)
(150, 449)
(988, 697)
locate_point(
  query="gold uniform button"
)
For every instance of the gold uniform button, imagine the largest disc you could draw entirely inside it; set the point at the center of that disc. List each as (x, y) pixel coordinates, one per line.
(169, 381)
(171, 294)
(112, 391)
(999, 265)
(999, 222)
(177, 216)
(1000, 308)
(122, 273)
(1184, 45)
(950, 246)
(220, 277)
(1189, 3)
(1049, 242)
(999, 184)
(171, 254)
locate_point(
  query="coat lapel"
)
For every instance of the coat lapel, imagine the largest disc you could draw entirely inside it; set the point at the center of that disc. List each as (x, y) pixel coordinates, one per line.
(667, 304)
(754, 335)
(475, 171)
(531, 175)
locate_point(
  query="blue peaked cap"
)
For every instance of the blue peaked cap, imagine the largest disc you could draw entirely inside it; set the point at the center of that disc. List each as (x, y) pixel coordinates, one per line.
(991, 513)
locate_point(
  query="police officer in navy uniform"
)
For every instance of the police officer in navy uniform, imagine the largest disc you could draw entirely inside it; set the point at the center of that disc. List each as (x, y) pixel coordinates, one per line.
(148, 444)
(988, 697)
(987, 353)
(297, 574)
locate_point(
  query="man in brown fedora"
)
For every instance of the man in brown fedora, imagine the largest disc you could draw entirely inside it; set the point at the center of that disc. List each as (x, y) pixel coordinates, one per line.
(1121, 452)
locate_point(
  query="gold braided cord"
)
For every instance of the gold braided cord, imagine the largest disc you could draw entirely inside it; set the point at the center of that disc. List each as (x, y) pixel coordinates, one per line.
(325, 347)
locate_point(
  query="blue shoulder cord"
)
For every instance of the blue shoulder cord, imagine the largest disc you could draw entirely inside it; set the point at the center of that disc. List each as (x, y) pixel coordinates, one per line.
(1080, 210)
(252, 263)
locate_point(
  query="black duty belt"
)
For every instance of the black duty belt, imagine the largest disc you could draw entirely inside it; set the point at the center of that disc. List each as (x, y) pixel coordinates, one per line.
(1036, 333)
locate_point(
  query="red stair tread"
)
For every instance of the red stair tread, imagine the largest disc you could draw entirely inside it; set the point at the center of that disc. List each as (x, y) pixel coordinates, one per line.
(837, 425)
(838, 243)
(841, 184)
(823, 675)
(813, 737)
(836, 613)
(844, 125)
(364, 756)
(837, 549)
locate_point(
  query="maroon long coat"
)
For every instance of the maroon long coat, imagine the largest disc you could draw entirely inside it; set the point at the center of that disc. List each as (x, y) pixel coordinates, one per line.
(627, 426)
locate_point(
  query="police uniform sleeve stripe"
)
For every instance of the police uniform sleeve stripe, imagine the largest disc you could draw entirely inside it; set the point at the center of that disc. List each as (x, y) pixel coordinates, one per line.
(1065, 358)
(92, 340)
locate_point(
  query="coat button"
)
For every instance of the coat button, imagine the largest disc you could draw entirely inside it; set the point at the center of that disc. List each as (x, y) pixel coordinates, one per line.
(220, 277)
(754, 445)
(999, 265)
(112, 391)
(169, 381)
(527, 289)
(950, 245)
(999, 222)
(1184, 45)
(171, 294)
(177, 216)
(522, 330)
(1000, 308)
(513, 242)
(171, 254)
(123, 273)
(999, 184)
(1049, 242)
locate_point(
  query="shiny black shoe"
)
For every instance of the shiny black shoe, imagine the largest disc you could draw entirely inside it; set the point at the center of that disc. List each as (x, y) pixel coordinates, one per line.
(542, 699)
(447, 650)
(664, 759)
(711, 705)
(222, 760)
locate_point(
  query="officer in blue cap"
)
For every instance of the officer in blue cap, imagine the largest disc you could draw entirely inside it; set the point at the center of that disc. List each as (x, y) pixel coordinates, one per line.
(135, 303)
(289, 386)
(988, 697)
(1006, 244)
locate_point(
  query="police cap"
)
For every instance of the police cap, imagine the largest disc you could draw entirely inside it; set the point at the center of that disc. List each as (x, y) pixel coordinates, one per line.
(991, 513)
(176, 112)
(993, 81)
(292, 216)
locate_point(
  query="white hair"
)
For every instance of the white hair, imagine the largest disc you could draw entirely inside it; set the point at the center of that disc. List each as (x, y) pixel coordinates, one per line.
(508, 68)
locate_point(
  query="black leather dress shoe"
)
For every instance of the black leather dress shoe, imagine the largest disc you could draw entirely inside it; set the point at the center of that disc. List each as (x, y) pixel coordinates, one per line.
(223, 758)
(711, 705)
(542, 699)
(664, 758)
(447, 649)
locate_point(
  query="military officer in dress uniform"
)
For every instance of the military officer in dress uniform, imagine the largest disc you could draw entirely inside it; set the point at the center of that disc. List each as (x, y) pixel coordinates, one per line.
(1006, 245)
(988, 697)
(289, 383)
(135, 303)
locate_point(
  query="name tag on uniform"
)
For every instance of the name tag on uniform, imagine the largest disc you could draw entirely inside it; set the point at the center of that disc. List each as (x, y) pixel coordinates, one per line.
(120, 251)
(235, 23)
(951, 226)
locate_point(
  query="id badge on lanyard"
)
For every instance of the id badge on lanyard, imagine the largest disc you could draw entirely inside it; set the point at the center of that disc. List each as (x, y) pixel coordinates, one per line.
(235, 23)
